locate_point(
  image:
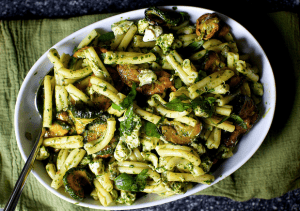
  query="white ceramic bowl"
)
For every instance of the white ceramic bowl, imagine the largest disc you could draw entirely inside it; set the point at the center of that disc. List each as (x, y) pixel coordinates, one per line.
(27, 120)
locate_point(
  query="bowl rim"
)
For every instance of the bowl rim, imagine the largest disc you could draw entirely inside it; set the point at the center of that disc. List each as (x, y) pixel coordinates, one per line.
(163, 200)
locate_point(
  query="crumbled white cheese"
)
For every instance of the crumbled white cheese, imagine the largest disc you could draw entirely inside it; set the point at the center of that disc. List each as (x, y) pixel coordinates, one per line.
(152, 33)
(142, 25)
(133, 139)
(147, 77)
(97, 166)
(122, 152)
(121, 27)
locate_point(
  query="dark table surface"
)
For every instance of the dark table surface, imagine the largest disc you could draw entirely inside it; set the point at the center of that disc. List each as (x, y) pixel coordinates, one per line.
(241, 10)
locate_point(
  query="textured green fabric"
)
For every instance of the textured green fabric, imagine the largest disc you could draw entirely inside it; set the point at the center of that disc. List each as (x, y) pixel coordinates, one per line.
(271, 172)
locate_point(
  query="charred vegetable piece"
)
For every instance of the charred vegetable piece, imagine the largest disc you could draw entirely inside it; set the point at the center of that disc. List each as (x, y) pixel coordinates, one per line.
(80, 125)
(164, 17)
(85, 112)
(83, 83)
(211, 62)
(58, 129)
(224, 30)
(108, 151)
(129, 75)
(118, 83)
(95, 130)
(78, 183)
(82, 116)
(179, 133)
(101, 101)
(236, 81)
(160, 86)
(64, 116)
(247, 116)
(207, 26)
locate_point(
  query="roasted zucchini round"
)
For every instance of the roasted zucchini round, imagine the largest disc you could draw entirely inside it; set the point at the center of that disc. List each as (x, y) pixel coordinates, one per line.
(78, 182)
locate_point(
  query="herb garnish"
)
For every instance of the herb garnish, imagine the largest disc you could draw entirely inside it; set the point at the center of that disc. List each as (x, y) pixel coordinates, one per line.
(129, 123)
(206, 104)
(129, 183)
(127, 101)
(150, 129)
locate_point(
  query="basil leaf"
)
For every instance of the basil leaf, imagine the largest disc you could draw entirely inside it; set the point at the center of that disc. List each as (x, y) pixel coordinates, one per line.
(141, 179)
(239, 120)
(130, 97)
(182, 97)
(106, 37)
(129, 183)
(177, 105)
(127, 101)
(128, 125)
(151, 130)
(124, 181)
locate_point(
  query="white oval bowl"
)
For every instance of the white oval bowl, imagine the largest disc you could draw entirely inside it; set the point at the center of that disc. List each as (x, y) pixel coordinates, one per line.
(28, 121)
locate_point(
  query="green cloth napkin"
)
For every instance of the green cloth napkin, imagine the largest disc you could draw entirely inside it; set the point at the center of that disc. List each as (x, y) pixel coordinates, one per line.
(271, 172)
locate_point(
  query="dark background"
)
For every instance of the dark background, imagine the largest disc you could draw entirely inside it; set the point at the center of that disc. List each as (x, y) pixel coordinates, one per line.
(20, 9)
(251, 14)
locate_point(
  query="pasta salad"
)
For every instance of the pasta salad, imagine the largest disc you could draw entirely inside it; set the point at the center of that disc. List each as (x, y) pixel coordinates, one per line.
(151, 107)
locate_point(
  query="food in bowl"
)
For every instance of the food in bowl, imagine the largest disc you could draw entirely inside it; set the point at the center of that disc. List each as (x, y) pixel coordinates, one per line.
(150, 107)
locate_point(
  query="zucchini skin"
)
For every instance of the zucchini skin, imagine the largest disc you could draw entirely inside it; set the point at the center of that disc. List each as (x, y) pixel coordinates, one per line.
(91, 128)
(160, 17)
(169, 18)
(109, 150)
(86, 189)
(85, 112)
